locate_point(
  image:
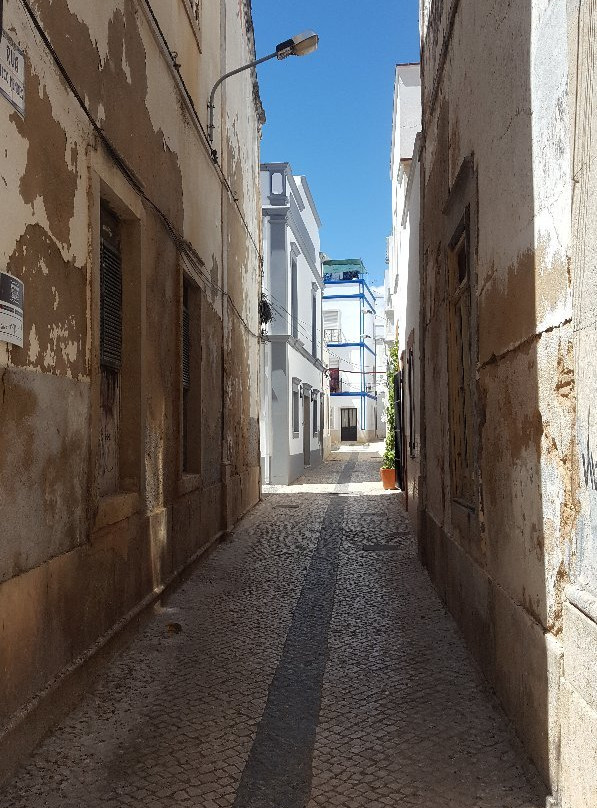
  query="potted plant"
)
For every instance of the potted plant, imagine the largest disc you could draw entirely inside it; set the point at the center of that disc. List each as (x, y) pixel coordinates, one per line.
(388, 468)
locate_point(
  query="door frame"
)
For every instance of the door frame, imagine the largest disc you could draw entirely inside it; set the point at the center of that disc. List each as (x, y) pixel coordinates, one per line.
(350, 426)
(307, 427)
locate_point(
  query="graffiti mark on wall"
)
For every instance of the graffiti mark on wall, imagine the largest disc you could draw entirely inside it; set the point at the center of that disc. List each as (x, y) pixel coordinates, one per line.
(589, 462)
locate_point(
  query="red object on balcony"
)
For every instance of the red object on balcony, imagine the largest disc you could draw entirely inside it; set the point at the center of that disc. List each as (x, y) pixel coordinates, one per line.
(335, 383)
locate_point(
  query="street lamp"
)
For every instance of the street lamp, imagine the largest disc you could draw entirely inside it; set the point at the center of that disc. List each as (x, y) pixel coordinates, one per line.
(299, 45)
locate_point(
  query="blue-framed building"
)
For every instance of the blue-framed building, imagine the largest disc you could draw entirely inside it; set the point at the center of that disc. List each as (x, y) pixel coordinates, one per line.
(349, 332)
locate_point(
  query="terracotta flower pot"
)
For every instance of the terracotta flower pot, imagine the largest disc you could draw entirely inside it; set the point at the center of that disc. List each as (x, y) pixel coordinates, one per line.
(388, 478)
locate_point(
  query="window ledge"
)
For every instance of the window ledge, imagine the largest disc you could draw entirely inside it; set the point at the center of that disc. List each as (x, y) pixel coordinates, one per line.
(116, 508)
(462, 503)
(188, 483)
(584, 601)
(194, 23)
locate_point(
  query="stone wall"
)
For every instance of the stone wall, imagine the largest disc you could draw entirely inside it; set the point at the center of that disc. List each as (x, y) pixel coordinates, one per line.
(496, 178)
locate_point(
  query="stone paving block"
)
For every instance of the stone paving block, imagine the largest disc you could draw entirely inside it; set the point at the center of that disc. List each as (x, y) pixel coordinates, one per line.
(393, 713)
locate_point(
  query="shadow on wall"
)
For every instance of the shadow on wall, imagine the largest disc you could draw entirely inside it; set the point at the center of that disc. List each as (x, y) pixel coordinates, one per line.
(496, 392)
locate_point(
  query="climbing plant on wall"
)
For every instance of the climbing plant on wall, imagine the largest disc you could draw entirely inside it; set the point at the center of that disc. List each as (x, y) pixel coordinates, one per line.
(389, 457)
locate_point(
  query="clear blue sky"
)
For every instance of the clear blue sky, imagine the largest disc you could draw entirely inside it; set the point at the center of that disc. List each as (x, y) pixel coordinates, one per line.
(329, 114)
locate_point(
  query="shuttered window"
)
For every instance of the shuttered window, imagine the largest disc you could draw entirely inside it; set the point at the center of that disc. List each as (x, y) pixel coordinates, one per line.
(295, 406)
(186, 340)
(186, 374)
(110, 292)
(411, 402)
(461, 374)
(331, 326)
(331, 319)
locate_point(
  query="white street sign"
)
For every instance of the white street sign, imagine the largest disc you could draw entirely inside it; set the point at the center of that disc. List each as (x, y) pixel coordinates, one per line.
(11, 309)
(12, 73)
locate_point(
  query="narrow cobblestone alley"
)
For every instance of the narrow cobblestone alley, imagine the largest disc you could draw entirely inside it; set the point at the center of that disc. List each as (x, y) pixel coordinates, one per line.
(306, 662)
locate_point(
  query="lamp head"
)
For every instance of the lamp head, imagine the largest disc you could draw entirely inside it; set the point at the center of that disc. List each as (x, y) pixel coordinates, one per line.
(299, 45)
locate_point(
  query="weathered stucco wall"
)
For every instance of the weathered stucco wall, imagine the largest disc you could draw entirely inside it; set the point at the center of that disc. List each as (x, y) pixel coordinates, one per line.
(502, 562)
(579, 725)
(73, 562)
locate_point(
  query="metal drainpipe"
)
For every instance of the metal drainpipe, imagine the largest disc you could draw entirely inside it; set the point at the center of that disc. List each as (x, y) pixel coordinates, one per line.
(362, 351)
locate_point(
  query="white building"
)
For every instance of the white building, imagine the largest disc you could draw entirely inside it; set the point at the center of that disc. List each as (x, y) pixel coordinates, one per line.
(406, 124)
(402, 275)
(349, 332)
(291, 358)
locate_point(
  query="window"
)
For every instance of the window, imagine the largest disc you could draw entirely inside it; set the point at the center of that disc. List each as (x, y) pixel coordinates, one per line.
(294, 298)
(190, 377)
(315, 416)
(335, 381)
(460, 370)
(277, 183)
(295, 407)
(411, 401)
(110, 292)
(110, 341)
(117, 330)
(186, 373)
(314, 323)
(331, 327)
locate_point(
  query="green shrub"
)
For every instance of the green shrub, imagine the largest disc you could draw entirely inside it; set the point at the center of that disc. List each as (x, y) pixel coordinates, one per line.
(389, 456)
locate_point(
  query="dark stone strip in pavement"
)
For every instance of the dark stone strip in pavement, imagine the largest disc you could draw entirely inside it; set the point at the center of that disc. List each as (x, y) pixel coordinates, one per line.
(278, 771)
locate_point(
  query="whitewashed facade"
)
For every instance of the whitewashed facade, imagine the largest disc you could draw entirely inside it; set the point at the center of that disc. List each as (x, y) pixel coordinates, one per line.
(402, 276)
(406, 124)
(292, 403)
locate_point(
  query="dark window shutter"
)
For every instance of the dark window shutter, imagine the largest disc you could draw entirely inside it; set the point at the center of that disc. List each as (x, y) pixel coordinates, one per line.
(186, 343)
(110, 303)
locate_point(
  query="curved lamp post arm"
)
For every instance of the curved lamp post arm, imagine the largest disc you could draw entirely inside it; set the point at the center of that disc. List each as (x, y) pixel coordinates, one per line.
(298, 45)
(210, 103)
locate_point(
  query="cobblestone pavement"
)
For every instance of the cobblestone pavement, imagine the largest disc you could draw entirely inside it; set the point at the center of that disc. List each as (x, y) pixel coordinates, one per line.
(306, 662)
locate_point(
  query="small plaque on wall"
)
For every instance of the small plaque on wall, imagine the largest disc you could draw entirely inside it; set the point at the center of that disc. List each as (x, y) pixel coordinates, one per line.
(12, 295)
(12, 72)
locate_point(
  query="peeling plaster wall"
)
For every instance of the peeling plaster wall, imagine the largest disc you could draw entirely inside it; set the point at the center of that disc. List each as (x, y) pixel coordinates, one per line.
(74, 563)
(502, 566)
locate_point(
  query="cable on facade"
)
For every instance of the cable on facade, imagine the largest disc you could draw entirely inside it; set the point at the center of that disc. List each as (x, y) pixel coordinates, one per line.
(284, 309)
(206, 142)
(185, 250)
(308, 336)
(305, 333)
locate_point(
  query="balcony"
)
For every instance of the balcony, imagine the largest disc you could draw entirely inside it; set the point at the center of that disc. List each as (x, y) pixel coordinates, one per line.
(333, 335)
(350, 275)
(335, 381)
(335, 386)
